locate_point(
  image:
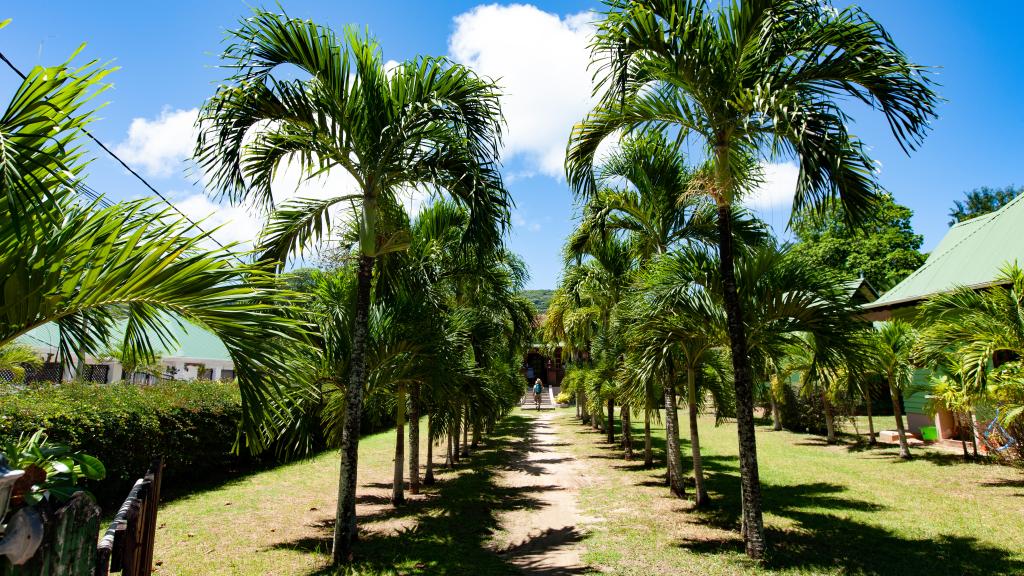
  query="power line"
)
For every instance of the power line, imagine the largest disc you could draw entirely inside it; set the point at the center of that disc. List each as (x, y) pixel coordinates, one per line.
(97, 197)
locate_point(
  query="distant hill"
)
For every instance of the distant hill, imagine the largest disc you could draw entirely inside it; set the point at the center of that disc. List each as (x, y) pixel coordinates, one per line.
(540, 298)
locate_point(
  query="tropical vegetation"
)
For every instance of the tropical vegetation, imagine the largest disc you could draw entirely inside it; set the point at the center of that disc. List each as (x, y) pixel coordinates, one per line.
(745, 83)
(416, 320)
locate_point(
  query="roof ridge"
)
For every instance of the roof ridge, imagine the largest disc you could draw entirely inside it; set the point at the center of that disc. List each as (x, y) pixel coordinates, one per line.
(969, 234)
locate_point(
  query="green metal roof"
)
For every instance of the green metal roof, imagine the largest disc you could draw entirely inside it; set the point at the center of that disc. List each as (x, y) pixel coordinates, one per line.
(971, 254)
(193, 342)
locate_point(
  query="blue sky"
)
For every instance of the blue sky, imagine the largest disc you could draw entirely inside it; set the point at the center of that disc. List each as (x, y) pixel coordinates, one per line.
(168, 52)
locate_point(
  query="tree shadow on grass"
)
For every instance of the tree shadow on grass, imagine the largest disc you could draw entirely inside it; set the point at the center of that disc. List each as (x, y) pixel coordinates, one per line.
(824, 538)
(453, 529)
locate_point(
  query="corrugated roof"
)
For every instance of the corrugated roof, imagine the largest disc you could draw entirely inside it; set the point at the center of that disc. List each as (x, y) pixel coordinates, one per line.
(194, 342)
(971, 254)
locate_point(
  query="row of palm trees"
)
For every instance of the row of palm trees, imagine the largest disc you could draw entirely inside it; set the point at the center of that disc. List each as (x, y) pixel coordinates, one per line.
(745, 82)
(421, 316)
(663, 254)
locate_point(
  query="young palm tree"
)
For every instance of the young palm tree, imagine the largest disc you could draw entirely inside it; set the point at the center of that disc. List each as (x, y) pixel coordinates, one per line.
(691, 325)
(16, 358)
(969, 328)
(747, 81)
(894, 346)
(425, 124)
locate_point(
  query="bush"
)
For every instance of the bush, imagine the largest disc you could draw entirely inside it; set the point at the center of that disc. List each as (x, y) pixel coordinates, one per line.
(564, 398)
(192, 424)
(800, 413)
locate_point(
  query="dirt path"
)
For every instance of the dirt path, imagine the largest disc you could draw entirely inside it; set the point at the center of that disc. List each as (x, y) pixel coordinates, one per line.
(545, 538)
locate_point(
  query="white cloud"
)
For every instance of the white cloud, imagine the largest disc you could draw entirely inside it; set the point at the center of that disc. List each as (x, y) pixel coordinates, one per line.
(777, 188)
(540, 60)
(160, 145)
(240, 224)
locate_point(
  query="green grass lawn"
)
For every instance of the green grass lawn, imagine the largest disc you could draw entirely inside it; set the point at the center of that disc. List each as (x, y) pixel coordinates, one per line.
(280, 522)
(829, 510)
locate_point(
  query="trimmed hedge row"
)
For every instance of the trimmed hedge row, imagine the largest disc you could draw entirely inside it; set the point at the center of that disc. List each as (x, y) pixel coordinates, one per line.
(192, 424)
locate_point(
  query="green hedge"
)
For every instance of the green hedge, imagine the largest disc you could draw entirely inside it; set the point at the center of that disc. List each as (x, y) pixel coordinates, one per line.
(192, 424)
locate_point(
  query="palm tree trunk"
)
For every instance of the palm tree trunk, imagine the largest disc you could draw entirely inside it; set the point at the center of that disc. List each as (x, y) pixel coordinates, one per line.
(750, 482)
(904, 447)
(776, 413)
(345, 521)
(627, 432)
(673, 458)
(449, 458)
(830, 423)
(476, 435)
(610, 424)
(455, 438)
(961, 422)
(465, 434)
(648, 453)
(583, 407)
(974, 433)
(414, 439)
(398, 483)
(428, 476)
(871, 421)
(701, 493)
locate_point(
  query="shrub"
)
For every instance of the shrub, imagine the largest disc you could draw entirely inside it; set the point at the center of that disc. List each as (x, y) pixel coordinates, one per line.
(564, 398)
(801, 413)
(192, 424)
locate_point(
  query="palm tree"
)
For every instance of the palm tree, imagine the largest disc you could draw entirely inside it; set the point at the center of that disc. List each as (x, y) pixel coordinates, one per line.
(783, 301)
(128, 267)
(894, 345)
(643, 190)
(748, 81)
(425, 124)
(606, 266)
(16, 357)
(981, 332)
(691, 325)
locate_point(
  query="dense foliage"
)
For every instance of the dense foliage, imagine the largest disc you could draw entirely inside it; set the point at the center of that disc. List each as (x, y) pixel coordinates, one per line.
(192, 424)
(981, 201)
(884, 248)
(540, 299)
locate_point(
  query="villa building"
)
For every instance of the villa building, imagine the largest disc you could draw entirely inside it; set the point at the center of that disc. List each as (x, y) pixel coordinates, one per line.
(198, 355)
(971, 254)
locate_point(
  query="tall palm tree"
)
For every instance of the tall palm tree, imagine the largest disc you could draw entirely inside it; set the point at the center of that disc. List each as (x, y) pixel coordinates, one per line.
(128, 268)
(643, 189)
(606, 265)
(747, 81)
(894, 345)
(425, 124)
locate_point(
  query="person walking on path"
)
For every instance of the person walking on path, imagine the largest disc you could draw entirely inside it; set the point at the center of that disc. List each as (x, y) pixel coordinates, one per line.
(537, 389)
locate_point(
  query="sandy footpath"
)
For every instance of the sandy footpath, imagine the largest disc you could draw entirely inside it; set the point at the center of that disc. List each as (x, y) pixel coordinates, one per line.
(545, 538)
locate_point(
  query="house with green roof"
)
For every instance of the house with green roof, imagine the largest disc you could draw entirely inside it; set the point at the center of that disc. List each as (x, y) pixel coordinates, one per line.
(972, 254)
(198, 354)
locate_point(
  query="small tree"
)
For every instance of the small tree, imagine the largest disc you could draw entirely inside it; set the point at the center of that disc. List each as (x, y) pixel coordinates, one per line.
(893, 344)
